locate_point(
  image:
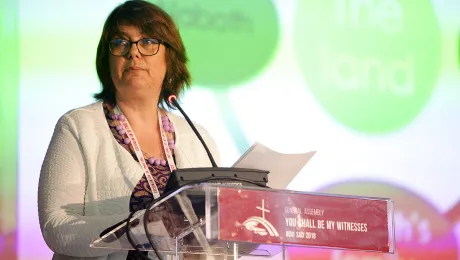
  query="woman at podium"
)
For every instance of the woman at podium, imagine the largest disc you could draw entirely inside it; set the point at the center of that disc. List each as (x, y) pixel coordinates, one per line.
(114, 156)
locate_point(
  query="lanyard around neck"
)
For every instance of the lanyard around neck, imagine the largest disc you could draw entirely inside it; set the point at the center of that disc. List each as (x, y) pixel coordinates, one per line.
(139, 154)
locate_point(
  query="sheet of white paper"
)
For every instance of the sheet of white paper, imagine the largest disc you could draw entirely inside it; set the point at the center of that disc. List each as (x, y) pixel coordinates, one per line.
(282, 167)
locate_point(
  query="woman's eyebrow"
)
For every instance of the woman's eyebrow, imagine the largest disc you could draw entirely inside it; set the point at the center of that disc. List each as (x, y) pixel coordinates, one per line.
(120, 33)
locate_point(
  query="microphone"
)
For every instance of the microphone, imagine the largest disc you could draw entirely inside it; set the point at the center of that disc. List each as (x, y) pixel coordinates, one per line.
(214, 174)
(168, 95)
(192, 203)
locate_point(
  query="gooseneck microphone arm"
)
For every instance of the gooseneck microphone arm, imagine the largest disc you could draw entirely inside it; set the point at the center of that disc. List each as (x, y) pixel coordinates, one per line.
(173, 99)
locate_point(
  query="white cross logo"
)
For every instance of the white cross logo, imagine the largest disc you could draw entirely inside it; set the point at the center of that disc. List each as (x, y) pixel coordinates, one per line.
(263, 209)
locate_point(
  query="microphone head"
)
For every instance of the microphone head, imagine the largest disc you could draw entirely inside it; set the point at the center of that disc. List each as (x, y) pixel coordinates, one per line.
(169, 95)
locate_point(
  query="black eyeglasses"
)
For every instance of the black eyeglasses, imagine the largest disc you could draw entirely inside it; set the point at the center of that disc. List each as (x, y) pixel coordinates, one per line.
(146, 46)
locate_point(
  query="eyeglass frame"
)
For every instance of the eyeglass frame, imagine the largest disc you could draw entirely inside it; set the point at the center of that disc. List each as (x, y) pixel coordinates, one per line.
(137, 46)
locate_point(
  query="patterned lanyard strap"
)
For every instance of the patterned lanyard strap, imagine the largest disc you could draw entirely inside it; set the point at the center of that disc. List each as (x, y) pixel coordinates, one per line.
(140, 155)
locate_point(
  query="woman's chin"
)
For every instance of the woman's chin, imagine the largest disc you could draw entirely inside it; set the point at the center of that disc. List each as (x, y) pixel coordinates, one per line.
(138, 89)
(138, 84)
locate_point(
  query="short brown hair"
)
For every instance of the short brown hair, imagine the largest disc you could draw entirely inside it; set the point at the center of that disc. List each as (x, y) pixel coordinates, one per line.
(155, 22)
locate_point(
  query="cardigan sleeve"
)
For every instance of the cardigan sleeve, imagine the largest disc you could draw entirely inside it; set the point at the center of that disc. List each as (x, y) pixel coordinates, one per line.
(61, 197)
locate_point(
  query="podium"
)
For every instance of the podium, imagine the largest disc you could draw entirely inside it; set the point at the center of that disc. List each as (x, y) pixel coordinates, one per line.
(215, 221)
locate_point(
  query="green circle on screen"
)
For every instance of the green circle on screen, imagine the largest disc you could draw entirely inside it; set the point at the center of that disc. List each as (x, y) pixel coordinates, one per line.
(372, 64)
(227, 42)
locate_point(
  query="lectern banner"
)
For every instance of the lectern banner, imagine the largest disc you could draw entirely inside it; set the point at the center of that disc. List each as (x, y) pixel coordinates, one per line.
(264, 216)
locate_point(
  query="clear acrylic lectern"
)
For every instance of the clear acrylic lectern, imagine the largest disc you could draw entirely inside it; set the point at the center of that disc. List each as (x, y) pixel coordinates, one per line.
(214, 221)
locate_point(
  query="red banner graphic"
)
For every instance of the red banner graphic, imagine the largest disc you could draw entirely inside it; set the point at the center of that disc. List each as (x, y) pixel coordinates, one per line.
(261, 216)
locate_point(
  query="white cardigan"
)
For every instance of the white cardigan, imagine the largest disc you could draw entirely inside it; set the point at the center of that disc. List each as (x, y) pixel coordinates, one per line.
(87, 179)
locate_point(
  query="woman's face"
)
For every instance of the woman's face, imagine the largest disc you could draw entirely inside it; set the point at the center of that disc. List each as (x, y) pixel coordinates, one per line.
(136, 75)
